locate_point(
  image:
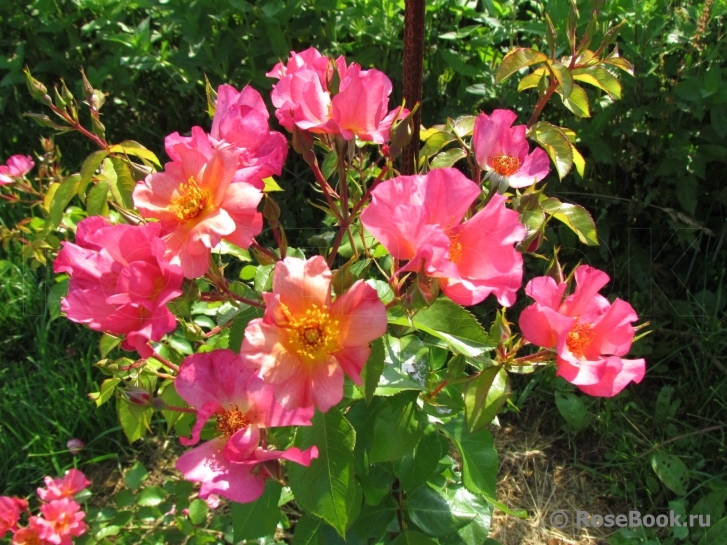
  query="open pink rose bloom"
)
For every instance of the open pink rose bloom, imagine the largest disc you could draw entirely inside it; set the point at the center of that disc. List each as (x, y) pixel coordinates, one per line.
(16, 166)
(62, 520)
(589, 334)
(419, 219)
(305, 97)
(10, 510)
(305, 343)
(235, 463)
(502, 151)
(120, 281)
(63, 487)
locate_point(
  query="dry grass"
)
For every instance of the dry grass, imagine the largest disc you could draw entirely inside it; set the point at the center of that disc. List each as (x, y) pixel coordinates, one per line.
(537, 476)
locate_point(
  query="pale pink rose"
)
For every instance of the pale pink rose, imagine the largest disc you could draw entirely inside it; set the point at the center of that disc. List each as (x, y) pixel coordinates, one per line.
(62, 521)
(588, 333)
(419, 219)
(358, 107)
(502, 151)
(241, 119)
(197, 205)
(75, 446)
(120, 281)
(10, 510)
(234, 464)
(15, 167)
(305, 343)
(63, 487)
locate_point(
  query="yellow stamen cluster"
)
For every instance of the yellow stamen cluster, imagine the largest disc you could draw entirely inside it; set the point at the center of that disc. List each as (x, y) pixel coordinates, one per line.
(455, 248)
(231, 421)
(191, 200)
(579, 338)
(314, 334)
(505, 165)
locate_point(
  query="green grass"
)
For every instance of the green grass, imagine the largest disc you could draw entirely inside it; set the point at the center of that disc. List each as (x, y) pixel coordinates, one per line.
(45, 375)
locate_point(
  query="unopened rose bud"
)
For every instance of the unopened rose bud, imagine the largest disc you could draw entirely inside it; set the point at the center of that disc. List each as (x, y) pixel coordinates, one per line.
(137, 396)
(213, 501)
(554, 270)
(500, 331)
(75, 446)
(271, 212)
(37, 90)
(402, 129)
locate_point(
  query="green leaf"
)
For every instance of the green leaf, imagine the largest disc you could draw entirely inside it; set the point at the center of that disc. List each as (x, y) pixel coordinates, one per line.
(563, 75)
(107, 344)
(435, 514)
(133, 422)
(124, 184)
(124, 498)
(239, 324)
(309, 531)
(415, 468)
(578, 161)
(55, 294)
(198, 510)
(151, 496)
(263, 278)
(406, 365)
(448, 158)
(577, 102)
(671, 471)
(687, 193)
(96, 204)
(327, 488)
(129, 147)
(556, 143)
(450, 322)
(484, 396)
(399, 418)
(476, 532)
(479, 458)
(258, 518)
(62, 196)
(89, 167)
(435, 143)
(572, 408)
(135, 476)
(715, 534)
(106, 391)
(271, 185)
(574, 216)
(455, 62)
(532, 79)
(374, 519)
(518, 59)
(372, 370)
(412, 538)
(599, 77)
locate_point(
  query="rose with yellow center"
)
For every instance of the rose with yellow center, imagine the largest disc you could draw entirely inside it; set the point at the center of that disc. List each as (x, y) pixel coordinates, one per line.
(305, 343)
(505, 165)
(191, 200)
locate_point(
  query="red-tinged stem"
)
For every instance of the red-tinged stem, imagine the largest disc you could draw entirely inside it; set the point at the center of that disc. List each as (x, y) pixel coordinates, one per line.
(173, 366)
(212, 296)
(214, 331)
(77, 126)
(264, 250)
(542, 102)
(180, 409)
(438, 388)
(134, 365)
(327, 189)
(538, 356)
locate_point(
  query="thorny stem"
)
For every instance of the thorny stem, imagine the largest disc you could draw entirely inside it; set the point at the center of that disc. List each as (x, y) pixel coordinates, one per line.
(212, 296)
(327, 190)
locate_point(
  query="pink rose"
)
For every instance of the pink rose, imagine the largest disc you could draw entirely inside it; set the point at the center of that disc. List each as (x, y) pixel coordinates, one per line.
(120, 281)
(62, 521)
(502, 151)
(589, 334)
(10, 509)
(15, 167)
(63, 487)
(305, 343)
(234, 464)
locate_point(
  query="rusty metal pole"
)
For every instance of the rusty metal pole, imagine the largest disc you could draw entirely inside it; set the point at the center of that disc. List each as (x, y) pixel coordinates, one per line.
(413, 70)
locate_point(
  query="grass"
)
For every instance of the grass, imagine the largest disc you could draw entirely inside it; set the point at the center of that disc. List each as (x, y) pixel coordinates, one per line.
(45, 375)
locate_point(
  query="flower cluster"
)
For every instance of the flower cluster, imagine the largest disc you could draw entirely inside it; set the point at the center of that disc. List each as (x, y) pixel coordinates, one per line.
(322, 95)
(15, 167)
(60, 518)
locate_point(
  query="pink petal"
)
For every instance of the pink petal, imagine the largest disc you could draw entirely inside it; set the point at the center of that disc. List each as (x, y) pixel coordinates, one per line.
(580, 372)
(264, 348)
(614, 333)
(535, 167)
(361, 315)
(203, 415)
(242, 444)
(542, 325)
(588, 283)
(619, 373)
(487, 132)
(206, 464)
(545, 291)
(352, 360)
(302, 284)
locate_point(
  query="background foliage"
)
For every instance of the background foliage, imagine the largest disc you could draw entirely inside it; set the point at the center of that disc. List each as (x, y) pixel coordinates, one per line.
(653, 180)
